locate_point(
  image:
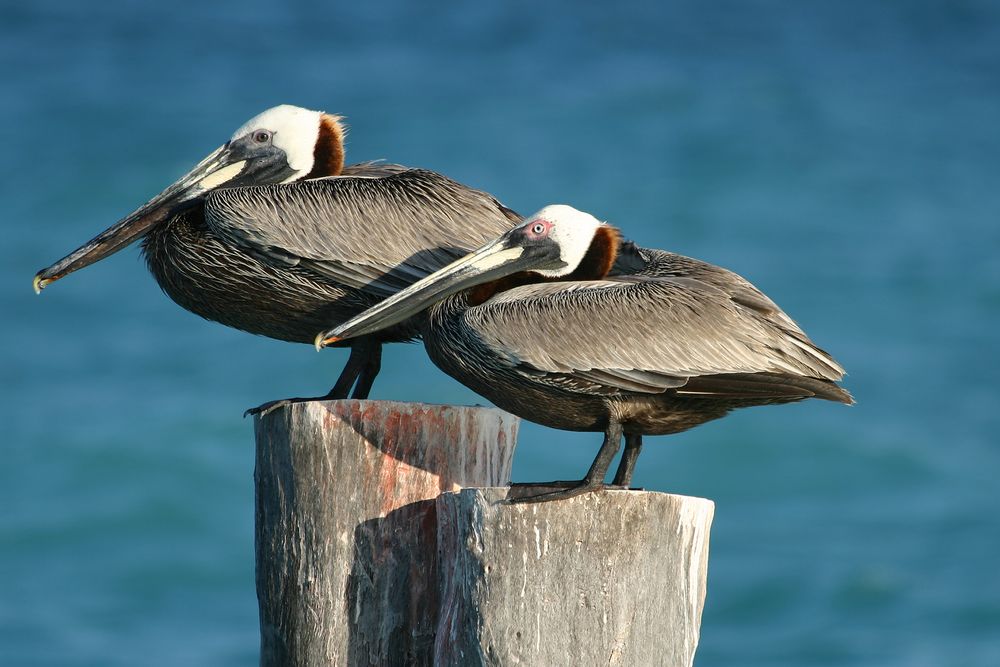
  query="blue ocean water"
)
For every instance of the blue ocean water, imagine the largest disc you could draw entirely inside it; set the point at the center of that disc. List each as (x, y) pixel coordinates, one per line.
(843, 156)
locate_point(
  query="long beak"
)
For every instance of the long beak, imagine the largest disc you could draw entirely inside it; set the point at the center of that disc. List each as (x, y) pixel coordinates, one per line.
(491, 262)
(213, 171)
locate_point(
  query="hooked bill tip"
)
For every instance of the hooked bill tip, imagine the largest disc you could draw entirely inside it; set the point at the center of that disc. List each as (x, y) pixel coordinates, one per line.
(322, 340)
(39, 283)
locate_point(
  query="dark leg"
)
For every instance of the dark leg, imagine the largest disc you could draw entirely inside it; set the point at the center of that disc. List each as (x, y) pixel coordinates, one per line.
(352, 369)
(359, 365)
(594, 479)
(372, 365)
(633, 445)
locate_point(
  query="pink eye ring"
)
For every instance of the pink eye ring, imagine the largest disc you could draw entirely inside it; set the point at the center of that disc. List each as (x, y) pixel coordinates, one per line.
(539, 228)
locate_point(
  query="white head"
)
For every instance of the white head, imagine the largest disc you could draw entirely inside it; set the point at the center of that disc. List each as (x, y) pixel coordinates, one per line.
(570, 229)
(291, 129)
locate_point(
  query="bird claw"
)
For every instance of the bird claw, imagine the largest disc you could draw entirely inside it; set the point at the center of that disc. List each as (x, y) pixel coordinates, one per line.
(567, 490)
(562, 483)
(269, 407)
(266, 408)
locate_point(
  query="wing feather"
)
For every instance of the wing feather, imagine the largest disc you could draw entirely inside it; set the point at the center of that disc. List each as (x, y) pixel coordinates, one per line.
(380, 228)
(645, 334)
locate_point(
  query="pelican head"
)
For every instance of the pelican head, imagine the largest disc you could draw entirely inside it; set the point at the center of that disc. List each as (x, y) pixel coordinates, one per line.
(565, 228)
(558, 242)
(281, 145)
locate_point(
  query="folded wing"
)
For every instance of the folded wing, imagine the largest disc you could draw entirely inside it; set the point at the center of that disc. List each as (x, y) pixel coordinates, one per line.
(378, 227)
(653, 334)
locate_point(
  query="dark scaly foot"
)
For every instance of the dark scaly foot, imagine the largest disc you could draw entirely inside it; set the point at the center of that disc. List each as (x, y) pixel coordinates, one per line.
(558, 483)
(593, 481)
(358, 365)
(538, 493)
(271, 406)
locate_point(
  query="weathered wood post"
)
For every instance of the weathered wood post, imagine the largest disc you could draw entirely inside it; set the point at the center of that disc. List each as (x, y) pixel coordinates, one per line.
(370, 553)
(346, 532)
(612, 578)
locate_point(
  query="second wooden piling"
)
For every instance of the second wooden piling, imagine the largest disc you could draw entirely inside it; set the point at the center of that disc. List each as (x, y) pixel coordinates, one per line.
(608, 578)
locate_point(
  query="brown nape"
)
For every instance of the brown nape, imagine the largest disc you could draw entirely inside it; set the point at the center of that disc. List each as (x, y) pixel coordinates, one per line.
(600, 256)
(328, 157)
(596, 264)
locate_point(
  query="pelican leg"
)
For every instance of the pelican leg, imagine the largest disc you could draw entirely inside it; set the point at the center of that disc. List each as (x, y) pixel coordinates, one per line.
(594, 478)
(633, 445)
(370, 368)
(352, 370)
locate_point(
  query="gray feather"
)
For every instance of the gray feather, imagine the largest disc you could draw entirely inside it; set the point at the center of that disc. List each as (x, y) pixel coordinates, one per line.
(379, 229)
(644, 334)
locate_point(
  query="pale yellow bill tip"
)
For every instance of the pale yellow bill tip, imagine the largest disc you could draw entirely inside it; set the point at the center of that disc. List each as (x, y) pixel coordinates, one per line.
(39, 284)
(322, 341)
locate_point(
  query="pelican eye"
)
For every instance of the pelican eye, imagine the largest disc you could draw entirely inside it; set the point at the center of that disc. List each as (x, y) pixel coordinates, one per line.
(538, 229)
(262, 136)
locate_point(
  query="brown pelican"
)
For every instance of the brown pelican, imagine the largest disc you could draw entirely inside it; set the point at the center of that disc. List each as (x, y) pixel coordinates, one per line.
(533, 322)
(272, 234)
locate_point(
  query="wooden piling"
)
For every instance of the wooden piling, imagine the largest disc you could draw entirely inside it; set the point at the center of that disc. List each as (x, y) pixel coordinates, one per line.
(369, 552)
(608, 578)
(346, 533)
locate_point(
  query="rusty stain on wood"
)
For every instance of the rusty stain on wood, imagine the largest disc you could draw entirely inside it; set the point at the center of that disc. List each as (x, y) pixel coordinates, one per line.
(346, 523)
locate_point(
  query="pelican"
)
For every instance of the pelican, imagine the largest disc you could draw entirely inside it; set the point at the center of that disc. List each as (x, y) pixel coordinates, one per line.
(533, 322)
(273, 235)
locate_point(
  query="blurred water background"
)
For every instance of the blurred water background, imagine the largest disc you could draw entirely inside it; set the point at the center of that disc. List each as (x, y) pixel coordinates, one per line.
(843, 156)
